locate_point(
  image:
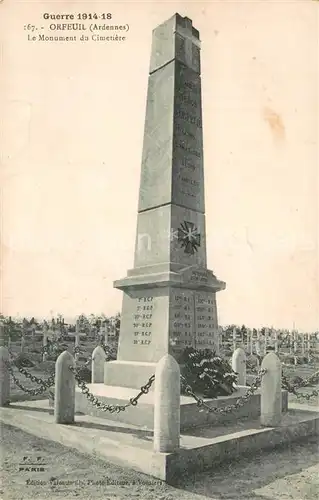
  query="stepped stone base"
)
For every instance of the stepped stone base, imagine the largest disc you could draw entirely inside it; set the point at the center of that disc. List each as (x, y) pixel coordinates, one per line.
(132, 447)
(142, 415)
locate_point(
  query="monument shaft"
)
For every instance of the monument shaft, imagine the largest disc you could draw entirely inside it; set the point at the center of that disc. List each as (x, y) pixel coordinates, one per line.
(169, 300)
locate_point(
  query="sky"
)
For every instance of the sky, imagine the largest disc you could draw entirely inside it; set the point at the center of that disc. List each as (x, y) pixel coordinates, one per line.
(72, 132)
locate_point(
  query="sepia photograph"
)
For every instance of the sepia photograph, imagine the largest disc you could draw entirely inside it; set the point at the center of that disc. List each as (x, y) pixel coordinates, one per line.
(159, 298)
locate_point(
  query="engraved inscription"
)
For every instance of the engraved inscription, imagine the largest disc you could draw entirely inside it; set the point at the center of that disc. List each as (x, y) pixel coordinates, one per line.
(188, 118)
(184, 131)
(142, 321)
(186, 99)
(188, 164)
(188, 138)
(192, 151)
(205, 321)
(182, 320)
(199, 276)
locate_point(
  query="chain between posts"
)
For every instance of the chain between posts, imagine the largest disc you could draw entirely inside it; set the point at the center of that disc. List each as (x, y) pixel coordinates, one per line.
(228, 408)
(109, 407)
(109, 352)
(308, 381)
(44, 384)
(293, 388)
(290, 387)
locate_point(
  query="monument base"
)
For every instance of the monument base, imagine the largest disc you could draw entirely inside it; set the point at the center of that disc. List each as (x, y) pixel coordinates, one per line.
(191, 416)
(165, 312)
(130, 447)
(131, 374)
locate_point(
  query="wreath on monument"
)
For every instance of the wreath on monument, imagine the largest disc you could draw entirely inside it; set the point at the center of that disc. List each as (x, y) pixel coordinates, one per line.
(207, 373)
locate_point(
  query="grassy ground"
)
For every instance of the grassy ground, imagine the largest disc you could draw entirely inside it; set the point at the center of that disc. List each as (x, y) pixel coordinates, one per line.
(283, 474)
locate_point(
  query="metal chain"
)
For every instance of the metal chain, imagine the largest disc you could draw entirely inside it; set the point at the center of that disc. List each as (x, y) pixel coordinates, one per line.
(45, 383)
(109, 352)
(292, 388)
(308, 381)
(144, 390)
(228, 408)
(109, 407)
(33, 392)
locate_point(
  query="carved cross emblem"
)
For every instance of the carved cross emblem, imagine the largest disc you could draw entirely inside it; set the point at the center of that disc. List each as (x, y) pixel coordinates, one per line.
(189, 237)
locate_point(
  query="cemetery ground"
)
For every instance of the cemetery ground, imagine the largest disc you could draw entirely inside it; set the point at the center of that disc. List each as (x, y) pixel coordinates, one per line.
(289, 473)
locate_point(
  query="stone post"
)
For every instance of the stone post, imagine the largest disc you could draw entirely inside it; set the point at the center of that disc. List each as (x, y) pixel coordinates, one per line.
(98, 360)
(238, 363)
(4, 377)
(167, 405)
(271, 399)
(64, 398)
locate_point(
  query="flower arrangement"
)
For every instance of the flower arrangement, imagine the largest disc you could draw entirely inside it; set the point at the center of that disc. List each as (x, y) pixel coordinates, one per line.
(207, 373)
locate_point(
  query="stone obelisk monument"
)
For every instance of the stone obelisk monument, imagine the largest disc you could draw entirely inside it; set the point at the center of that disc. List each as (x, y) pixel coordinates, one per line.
(169, 300)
